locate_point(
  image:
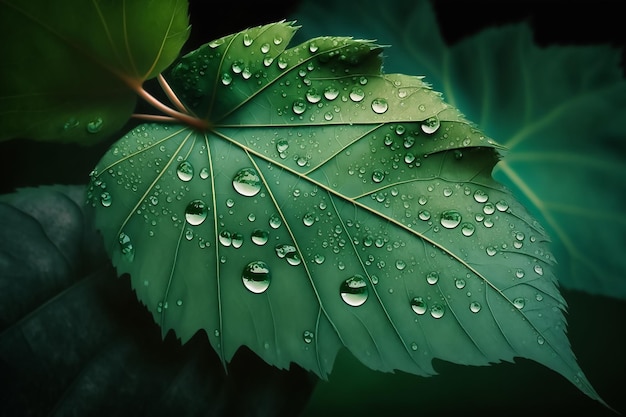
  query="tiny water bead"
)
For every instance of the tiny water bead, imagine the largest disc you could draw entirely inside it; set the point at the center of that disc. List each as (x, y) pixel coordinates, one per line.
(354, 291)
(184, 171)
(196, 212)
(247, 182)
(418, 305)
(256, 277)
(204, 173)
(450, 219)
(308, 336)
(430, 125)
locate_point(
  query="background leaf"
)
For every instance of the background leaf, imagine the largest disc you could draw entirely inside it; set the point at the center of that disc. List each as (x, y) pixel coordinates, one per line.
(72, 64)
(559, 110)
(360, 199)
(74, 341)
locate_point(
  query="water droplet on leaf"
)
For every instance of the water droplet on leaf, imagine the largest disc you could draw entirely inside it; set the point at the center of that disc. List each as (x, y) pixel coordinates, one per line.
(260, 237)
(95, 125)
(379, 105)
(418, 305)
(468, 229)
(247, 182)
(184, 171)
(256, 277)
(437, 311)
(450, 219)
(432, 277)
(430, 125)
(105, 199)
(126, 247)
(354, 291)
(196, 212)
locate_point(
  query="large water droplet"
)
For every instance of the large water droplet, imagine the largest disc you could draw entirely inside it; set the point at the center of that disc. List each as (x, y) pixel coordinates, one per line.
(432, 277)
(95, 125)
(298, 107)
(105, 199)
(475, 306)
(378, 176)
(450, 219)
(354, 291)
(331, 93)
(275, 221)
(289, 253)
(225, 238)
(437, 311)
(196, 212)
(430, 125)
(313, 96)
(357, 94)
(126, 247)
(308, 219)
(468, 229)
(247, 182)
(247, 39)
(227, 78)
(419, 305)
(282, 145)
(260, 237)
(538, 269)
(379, 105)
(184, 171)
(480, 196)
(519, 303)
(256, 277)
(237, 240)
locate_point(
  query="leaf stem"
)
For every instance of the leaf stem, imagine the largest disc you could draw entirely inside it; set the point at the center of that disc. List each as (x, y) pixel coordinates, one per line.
(153, 117)
(175, 114)
(171, 94)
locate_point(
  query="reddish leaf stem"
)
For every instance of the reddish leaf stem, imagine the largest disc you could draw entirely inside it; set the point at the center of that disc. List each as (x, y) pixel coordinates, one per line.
(175, 114)
(171, 94)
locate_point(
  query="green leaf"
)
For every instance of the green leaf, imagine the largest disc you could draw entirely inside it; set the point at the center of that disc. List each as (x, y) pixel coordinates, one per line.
(74, 65)
(327, 205)
(559, 110)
